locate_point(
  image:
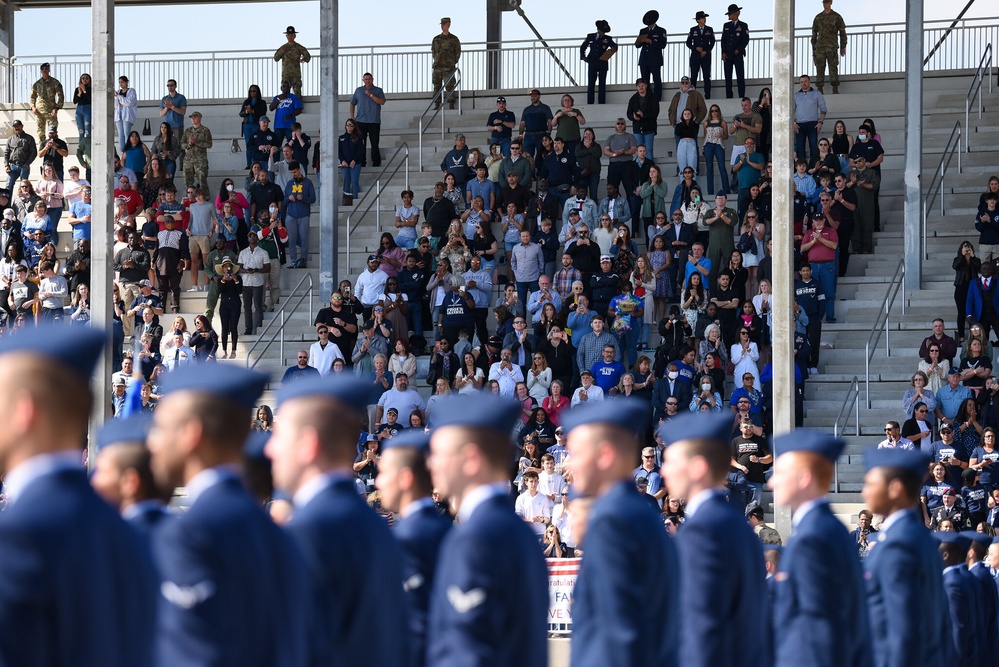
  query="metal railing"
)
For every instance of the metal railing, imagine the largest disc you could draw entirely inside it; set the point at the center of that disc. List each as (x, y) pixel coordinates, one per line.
(373, 197)
(273, 330)
(974, 92)
(851, 403)
(936, 187)
(443, 95)
(883, 325)
(407, 68)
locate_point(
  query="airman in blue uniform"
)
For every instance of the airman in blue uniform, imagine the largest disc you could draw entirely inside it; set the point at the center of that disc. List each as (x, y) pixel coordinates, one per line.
(356, 564)
(234, 586)
(77, 587)
(903, 568)
(598, 43)
(701, 41)
(489, 603)
(404, 485)
(123, 475)
(615, 621)
(734, 40)
(819, 602)
(651, 43)
(722, 596)
(964, 599)
(979, 571)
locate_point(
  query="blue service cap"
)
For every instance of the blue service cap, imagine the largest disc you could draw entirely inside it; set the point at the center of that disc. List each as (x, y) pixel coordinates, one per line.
(981, 538)
(131, 429)
(628, 413)
(416, 438)
(952, 537)
(697, 426)
(253, 448)
(914, 461)
(235, 383)
(75, 348)
(352, 390)
(484, 411)
(825, 445)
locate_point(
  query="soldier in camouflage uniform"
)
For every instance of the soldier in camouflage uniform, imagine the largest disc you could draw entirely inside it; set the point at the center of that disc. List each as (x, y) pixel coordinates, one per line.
(46, 100)
(196, 141)
(291, 56)
(825, 28)
(446, 49)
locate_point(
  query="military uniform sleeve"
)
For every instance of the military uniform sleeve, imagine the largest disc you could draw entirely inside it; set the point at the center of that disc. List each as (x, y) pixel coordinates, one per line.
(701, 589)
(899, 571)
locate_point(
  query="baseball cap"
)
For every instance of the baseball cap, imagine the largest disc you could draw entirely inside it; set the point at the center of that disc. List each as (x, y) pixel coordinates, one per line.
(373, 258)
(685, 79)
(501, 99)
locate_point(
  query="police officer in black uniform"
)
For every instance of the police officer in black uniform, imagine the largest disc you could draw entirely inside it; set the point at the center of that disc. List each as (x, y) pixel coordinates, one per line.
(734, 40)
(598, 43)
(700, 41)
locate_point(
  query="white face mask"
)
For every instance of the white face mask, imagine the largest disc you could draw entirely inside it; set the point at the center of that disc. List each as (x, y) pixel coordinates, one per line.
(673, 375)
(861, 137)
(706, 387)
(273, 209)
(229, 187)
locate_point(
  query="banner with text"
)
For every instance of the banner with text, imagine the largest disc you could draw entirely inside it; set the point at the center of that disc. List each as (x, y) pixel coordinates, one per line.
(562, 574)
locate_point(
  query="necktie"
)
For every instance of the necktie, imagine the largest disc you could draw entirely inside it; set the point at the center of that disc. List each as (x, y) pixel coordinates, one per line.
(447, 365)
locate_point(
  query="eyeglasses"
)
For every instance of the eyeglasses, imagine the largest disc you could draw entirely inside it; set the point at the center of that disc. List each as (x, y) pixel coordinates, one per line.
(743, 333)
(515, 148)
(671, 402)
(748, 377)
(378, 310)
(336, 298)
(645, 456)
(324, 333)
(889, 429)
(922, 410)
(619, 124)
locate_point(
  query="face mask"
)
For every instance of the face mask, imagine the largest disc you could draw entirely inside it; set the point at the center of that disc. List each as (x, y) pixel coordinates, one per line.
(673, 375)
(861, 137)
(706, 387)
(273, 209)
(229, 187)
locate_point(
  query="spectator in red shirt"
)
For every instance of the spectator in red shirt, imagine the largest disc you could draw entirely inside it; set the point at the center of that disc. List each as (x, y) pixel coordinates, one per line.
(819, 247)
(132, 197)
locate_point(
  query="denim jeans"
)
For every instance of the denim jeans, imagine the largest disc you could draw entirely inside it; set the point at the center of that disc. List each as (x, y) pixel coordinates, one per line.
(647, 139)
(524, 290)
(755, 493)
(826, 273)
(628, 344)
(248, 130)
(351, 180)
(715, 153)
(124, 128)
(686, 154)
(810, 132)
(414, 317)
(298, 237)
(83, 116)
(18, 172)
(504, 145)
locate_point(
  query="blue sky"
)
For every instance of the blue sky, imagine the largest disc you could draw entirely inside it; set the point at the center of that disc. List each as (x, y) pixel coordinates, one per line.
(260, 24)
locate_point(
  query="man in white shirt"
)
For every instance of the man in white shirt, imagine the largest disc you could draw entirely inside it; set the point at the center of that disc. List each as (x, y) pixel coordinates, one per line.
(280, 169)
(323, 353)
(72, 188)
(402, 398)
(588, 391)
(256, 265)
(550, 483)
(506, 373)
(533, 507)
(179, 354)
(370, 285)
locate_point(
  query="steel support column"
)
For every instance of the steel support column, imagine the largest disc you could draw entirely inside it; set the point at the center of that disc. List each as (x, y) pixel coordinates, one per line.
(329, 81)
(913, 206)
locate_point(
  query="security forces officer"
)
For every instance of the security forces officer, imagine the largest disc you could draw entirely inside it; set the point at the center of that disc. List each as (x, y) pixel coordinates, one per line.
(826, 27)
(979, 571)
(902, 568)
(234, 586)
(964, 599)
(46, 100)
(489, 603)
(819, 602)
(615, 621)
(356, 564)
(598, 43)
(446, 50)
(722, 599)
(404, 485)
(123, 475)
(700, 41)
(76, 586)
(734, 40)
(651, 42)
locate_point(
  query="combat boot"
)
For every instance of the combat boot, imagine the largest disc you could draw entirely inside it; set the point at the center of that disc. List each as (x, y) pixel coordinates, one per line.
(835, 90)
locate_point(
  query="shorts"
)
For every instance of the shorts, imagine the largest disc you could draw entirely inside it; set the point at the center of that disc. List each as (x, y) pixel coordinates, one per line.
(200, 243)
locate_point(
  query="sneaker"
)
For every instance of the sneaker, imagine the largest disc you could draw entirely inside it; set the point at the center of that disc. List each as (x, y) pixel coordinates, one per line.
(194, 289)
(813, 371)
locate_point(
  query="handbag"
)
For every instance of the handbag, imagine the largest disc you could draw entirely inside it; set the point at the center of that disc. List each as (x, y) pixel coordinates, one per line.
(147, 129)
(746, 245)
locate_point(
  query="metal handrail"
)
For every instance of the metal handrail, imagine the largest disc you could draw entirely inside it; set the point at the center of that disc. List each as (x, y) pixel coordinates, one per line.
(976, 88)
(376, 200)
(936, 186)
(851, 402)
(440, 98)
(294, 300)
(879, 326)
